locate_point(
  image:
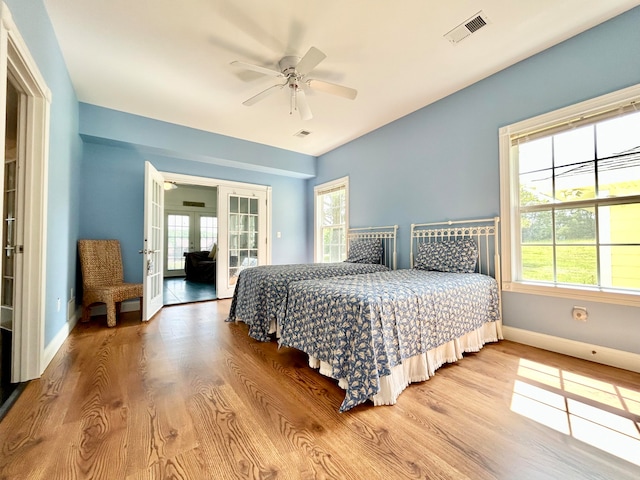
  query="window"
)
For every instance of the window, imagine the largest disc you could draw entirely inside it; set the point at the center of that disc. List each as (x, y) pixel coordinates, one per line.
(177, 240)
(570, 184)
(208, 231)
(331, 220)
(182, 236)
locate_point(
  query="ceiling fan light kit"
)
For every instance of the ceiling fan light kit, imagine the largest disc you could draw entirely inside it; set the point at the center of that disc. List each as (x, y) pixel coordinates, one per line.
(294, 70)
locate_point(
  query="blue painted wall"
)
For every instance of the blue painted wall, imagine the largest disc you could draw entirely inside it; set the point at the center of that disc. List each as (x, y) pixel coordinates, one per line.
(439, 162)
(442, 163)
(112, 190)
(65, 155)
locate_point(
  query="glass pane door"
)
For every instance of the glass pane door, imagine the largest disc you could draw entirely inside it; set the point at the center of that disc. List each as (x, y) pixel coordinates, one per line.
(243, 235)
(10, 214)
(243, 226)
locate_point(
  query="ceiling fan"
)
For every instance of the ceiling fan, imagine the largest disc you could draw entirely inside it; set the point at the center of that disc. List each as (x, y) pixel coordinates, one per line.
(294, 71)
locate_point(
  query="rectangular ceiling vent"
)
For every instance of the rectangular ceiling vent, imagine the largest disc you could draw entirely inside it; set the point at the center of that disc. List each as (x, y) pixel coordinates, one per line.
(467, 27)
(302, 133)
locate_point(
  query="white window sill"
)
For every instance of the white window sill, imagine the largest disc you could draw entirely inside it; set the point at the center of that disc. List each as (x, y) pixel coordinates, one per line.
(575, 293)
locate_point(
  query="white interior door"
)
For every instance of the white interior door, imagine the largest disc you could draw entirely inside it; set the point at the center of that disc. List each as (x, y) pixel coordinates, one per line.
(242, 240)
(13, 225)
(153, 241)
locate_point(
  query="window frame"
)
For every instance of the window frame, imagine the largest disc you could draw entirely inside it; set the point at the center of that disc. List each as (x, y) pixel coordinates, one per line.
(509, 200)
(323, 189)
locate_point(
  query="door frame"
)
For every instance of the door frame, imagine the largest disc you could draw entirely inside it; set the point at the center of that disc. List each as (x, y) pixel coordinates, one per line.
(28, 358)
(214, 182)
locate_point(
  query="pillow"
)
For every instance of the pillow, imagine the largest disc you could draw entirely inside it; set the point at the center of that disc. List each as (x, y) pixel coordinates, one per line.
(365, 251)
(214, 251)
(456, 256)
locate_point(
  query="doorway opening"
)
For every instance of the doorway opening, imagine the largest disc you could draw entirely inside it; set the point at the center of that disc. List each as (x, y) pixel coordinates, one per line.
(191, 240)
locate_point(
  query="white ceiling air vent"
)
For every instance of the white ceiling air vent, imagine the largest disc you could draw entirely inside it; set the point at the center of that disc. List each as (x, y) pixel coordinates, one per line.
(302, 133)
(467, 27)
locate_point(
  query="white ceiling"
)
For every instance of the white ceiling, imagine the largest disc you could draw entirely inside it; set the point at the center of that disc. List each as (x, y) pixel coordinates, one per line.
(170, 60)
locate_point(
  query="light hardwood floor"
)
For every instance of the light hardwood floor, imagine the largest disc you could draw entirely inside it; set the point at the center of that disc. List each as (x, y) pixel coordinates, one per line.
(189, 396)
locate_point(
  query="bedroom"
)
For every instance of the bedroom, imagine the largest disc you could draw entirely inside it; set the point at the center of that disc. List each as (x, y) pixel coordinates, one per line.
(96, 167)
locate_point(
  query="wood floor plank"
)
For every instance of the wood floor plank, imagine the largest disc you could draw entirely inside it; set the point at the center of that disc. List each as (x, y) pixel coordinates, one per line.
(190, 396)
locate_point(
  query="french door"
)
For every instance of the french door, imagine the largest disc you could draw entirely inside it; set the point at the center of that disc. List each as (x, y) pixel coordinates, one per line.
(243, 239)
(153, 241)
(12, 225)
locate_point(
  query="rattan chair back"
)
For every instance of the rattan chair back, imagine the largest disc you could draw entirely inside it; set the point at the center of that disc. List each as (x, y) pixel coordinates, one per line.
(101, 262)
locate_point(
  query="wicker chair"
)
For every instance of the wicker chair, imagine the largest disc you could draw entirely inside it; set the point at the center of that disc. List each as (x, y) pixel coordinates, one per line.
(103, 279)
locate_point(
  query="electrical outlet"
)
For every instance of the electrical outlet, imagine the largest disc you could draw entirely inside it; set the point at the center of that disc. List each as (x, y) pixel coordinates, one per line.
(580, 314)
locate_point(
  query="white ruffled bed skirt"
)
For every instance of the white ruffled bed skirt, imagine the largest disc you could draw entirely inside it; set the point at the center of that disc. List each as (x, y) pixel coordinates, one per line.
(423, 366)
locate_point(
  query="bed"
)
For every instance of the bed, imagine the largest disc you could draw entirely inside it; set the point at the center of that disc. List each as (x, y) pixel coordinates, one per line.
(377, 333)
(261, 291)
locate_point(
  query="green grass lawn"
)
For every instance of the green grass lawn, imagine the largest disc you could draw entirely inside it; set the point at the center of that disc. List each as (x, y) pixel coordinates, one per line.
(575, 264)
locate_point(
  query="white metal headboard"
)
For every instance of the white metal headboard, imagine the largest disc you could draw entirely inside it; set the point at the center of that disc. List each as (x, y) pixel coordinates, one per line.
(484, 231)
(387, 235)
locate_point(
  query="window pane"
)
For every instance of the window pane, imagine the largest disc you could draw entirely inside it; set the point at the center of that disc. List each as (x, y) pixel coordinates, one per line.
(234, 222)
(620, 267)
(620, 177)
(574, 146)
(576, 265)
(208, 232)
(234, 241)
(536, 227)
(537, 263)
(233, 204)
(253, 206)
(244, 205)
(577, 182)
(619, 224)
(536, 188)
(576, 225)
(177, 241)
(618, 135)
(535, 155)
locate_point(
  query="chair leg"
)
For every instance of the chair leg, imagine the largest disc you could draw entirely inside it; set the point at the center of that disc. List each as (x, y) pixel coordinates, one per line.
(86, 313)
(111, 314)
(141, 309)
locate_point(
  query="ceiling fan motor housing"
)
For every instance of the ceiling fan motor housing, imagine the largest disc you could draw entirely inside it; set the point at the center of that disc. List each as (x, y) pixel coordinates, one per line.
(288, 65)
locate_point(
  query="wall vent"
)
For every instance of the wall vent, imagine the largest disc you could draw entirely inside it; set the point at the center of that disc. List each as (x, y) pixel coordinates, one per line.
(467, 27)
(302, 133)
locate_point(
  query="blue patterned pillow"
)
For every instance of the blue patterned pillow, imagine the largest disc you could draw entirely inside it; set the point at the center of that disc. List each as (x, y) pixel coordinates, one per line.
(456, 256)
(365, 251)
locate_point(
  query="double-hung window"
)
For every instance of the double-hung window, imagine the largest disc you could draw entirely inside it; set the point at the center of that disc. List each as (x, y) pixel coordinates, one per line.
(570, 195)
(331, 220)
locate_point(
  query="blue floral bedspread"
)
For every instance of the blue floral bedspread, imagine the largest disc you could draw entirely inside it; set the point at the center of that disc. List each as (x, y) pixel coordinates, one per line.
(365, 324)
(260, 291)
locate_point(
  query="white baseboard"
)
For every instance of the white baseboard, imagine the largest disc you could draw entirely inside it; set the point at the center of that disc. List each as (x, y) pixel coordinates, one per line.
(55, 344)
(586, 351)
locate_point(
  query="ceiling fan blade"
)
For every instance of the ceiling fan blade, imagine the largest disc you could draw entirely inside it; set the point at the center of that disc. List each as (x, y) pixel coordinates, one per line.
(312, 58)
(265, 93)
(332, 88)
(257, 68)
(302, 105)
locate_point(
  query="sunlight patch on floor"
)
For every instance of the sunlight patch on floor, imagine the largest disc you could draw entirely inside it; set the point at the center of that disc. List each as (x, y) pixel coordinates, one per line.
(598, 413)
